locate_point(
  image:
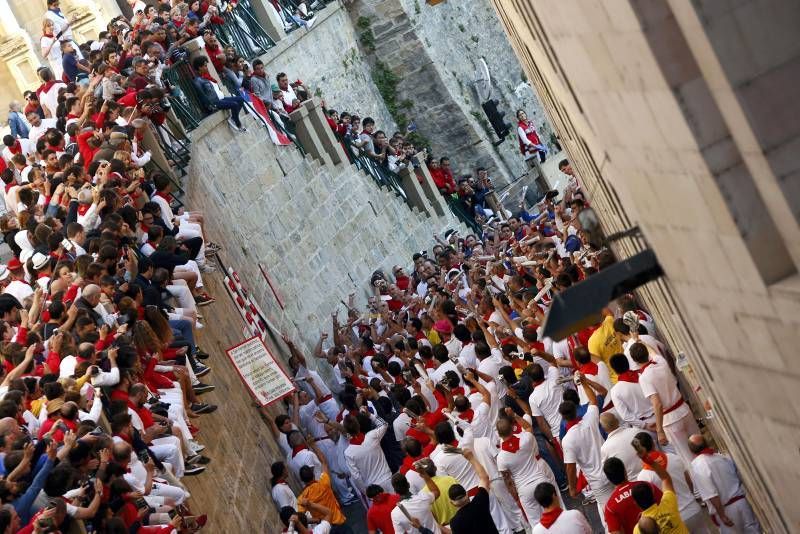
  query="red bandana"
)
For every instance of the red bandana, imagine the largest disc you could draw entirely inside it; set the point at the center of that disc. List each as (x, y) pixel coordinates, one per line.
(297, 449)
(645, 366)
(709, 451)
(467, 415)
(510, 444)
(165, 196)
(549, 518)
(572, 423)
(628, 376)
(358, 439)
(589, 368)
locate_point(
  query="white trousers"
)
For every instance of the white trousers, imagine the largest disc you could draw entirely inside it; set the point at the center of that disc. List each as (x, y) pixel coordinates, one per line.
(601, 495)
(744, 520)
(533, 510)
(168, 449)
(190, 267)
(678, 436)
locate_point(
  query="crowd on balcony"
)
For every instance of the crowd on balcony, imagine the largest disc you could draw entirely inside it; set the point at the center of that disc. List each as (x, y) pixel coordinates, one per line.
(446, 408)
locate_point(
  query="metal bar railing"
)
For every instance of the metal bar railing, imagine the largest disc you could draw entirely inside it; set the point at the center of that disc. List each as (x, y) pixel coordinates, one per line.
(242, 31)
(283, 125)
(183, 96)
(461, 213)
(380, 174)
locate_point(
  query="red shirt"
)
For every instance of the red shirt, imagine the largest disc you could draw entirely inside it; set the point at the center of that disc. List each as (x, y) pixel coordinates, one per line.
(621, 511)
(379, 515)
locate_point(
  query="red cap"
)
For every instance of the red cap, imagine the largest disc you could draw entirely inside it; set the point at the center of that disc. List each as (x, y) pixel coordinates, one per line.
(14, 264)
(444, 326)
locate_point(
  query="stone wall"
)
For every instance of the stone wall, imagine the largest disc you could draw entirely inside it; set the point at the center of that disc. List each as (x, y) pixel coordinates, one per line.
(328, 59)
(456, 36)
(319, 230)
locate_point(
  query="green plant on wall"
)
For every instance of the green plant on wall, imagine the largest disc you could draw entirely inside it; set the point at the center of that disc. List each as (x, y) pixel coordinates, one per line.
(367, 37)
(386, 81)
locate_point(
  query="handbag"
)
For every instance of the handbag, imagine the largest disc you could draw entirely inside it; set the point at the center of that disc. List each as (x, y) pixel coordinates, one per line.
(421, 529)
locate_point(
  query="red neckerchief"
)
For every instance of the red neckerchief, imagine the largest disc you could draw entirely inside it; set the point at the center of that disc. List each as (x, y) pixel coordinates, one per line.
(297, 449)
(358, 439)
(144, 227)
(125, 437)
(83, 208)
(645, 366)
(9, 186)
(165, 196)
(42, 275)
(589, 368)
(655, 457)
(709, 451)
(154, 245)
(510, 444)
(45, 87)
(549, 518)
(467, 415)
(572, 423)
(16, 148)
(208, 77)
(47, 35)
(455, 392)
(628, 376)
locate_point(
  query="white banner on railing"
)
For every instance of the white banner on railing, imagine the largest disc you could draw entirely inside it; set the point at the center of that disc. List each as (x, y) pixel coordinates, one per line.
(260, 372)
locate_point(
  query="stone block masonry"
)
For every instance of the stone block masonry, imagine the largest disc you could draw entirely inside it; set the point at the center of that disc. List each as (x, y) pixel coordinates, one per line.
(319, 230)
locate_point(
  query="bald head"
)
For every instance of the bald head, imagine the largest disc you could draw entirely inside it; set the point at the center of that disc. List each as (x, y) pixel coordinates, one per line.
(609, 422)
(696, 443)
(91, 290)
(121, 452)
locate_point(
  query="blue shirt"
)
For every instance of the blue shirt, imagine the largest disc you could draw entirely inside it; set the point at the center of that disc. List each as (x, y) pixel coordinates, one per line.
(70, 65)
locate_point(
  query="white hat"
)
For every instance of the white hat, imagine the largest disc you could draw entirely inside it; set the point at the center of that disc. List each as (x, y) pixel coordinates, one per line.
(4, 272)
(39, 260)
(25, 254)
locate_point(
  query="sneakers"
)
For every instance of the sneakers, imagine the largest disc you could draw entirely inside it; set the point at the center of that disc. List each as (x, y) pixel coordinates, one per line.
(233, 125)
(195, 447)
(192, 470)
(206, 268)
(200, 354)
(202, 407)
(198, 459)
(203, 299)
(201, 388)
(210, 245)
(310, 22)
(202, 370)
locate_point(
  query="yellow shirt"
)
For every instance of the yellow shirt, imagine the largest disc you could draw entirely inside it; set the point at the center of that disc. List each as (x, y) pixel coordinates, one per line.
(433, 337)
(320, 492)
(442, 509)
(666, 514)
(603, 344)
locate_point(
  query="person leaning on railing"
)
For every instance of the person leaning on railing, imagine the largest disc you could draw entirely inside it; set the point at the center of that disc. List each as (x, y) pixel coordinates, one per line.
(212, 97)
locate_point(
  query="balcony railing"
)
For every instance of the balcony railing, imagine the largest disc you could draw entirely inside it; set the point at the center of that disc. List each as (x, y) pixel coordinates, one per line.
(184, 97)
(243, 32)
(380, 174)
(461, 213)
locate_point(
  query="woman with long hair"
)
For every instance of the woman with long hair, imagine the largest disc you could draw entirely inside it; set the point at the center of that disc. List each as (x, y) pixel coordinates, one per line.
(51, 48)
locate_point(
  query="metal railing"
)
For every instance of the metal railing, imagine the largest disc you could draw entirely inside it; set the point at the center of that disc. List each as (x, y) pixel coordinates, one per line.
(184, 96)
(462, 214)
(243, 32)
(380, 174)
(280, 124)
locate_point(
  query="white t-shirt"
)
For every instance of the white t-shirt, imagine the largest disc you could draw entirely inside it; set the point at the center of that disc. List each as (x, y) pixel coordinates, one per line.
(491, 366)
(618, 445)
(676, 469)
(582, 445)
(568, 522)
(657, 379)
(630, 403)
(467, 356)
(715, 475)
(283, 495)
(525, 468)
(418, 506)
(545, 399)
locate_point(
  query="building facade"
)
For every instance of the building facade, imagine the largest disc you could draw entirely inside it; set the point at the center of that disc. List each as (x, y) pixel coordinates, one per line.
(680, 118)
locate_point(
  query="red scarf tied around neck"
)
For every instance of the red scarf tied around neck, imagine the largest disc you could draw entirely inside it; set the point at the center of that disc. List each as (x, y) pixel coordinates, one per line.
(548, 519)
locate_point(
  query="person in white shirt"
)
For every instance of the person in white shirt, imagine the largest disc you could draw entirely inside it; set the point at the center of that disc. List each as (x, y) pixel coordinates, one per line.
(298, 523)
(581, 446)
(555, 519)
(451, 463)
(547, 394)
(413, 511)
(490, 361)
(301, 455)
(365, 458)
(466, 356)
(596, 371)
(632, 407)
(38, 126)
(717, 480)
(520, 464)
(282, 494)
(674, 420)
(693, 516)
(618, 444)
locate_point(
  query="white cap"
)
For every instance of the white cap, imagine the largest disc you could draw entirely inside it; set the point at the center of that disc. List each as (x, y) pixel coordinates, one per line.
(4, 272)
(39, 260)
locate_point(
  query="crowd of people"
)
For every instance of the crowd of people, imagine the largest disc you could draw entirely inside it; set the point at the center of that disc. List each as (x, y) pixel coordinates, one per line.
(444, 407)
(445, 410)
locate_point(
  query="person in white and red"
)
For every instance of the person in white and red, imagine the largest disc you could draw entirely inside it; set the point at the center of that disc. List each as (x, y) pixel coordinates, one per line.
(717, 480)
(581, 446)
(631, 405)
(618, 444)
(414, 511)
(674, 419)
(301, 455)
(364, 455)
(532, 148)
(554, 518)
(692, 514)
(452, 463)
(298, 523)
(520, 464)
